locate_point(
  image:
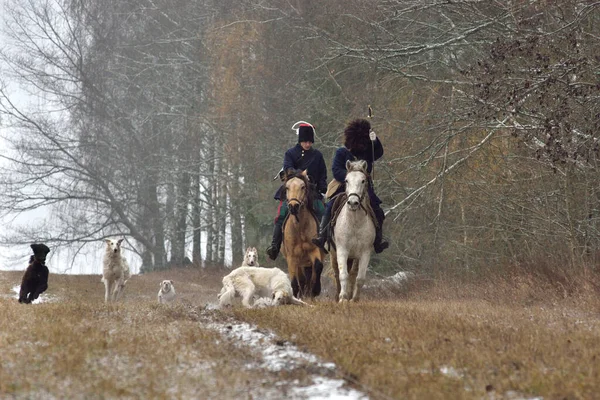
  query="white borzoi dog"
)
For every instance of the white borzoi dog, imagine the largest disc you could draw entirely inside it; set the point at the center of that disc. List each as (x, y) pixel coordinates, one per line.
(166, 293)
(246, 282)
(115, 270)
(250, 257)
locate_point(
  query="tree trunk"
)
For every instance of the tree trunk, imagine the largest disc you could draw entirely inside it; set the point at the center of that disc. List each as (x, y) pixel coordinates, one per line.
(180, 225)
(196, 223)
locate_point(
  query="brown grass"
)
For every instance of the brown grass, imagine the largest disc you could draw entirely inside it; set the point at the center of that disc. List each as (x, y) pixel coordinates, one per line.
(518, 333)
(522, 333)
(78, 347)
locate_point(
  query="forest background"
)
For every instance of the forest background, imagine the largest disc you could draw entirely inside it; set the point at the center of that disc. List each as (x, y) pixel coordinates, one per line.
(165, 122)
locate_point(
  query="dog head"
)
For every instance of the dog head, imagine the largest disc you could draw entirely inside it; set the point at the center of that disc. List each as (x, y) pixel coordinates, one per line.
(251, 257)
(166, 286)
(113, 246)
(282, 297)
(40, 251)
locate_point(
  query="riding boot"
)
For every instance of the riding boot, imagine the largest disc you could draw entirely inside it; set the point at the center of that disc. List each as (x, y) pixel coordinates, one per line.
(273, 249)
(380, 244)
(323, 230)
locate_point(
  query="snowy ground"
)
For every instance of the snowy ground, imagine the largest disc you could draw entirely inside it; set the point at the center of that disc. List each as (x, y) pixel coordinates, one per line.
(276, 355)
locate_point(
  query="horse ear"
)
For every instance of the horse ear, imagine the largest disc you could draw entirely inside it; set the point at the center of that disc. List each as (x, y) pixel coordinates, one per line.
(348, 164)
(304, 173)
(363, 165)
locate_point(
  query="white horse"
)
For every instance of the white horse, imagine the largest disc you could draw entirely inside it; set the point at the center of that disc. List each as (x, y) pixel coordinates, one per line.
(353, 234)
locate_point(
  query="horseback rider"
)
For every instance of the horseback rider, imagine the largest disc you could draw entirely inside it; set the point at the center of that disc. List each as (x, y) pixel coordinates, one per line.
(300, 157)
(360, 144)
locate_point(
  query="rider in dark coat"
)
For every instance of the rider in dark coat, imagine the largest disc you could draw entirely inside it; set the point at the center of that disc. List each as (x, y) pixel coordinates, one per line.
(360, 144)
(300, 157)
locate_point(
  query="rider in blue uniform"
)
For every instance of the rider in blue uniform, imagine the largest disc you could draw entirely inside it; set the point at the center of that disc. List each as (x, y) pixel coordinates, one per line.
(300, 157)
(360, 144)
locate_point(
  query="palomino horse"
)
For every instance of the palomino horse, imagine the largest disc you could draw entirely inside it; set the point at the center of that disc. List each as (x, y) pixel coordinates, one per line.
(304, 259)
(353, 233)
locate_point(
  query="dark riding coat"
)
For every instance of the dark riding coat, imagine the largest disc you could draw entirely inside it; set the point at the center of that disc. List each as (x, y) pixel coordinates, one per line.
(342, 155)
(311, 160)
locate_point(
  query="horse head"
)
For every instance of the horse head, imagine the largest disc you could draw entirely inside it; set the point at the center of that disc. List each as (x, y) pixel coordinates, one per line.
(297, 190)
(357, 182)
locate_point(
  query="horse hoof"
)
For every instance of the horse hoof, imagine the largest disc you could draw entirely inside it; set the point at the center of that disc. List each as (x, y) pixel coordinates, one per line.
(343, 301)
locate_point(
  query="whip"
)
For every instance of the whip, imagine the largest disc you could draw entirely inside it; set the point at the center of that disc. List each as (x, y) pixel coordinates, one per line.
(370, 116)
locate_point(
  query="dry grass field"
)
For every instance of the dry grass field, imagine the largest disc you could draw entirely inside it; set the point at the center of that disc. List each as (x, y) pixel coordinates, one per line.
(520, 336)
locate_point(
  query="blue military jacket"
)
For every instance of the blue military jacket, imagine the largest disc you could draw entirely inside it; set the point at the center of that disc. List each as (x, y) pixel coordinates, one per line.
(338, 167)
(311, 160)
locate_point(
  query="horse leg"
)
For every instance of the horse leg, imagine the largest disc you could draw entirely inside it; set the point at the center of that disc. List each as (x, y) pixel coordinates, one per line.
(336, 272)
(308, 278)
(342, 259)
(294, 278)
(352, 273)
(317, 269)
(363, 264)
(295, 287)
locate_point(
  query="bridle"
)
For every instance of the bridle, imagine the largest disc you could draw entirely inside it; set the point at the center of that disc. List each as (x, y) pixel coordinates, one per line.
(300, 203)
(361, 197)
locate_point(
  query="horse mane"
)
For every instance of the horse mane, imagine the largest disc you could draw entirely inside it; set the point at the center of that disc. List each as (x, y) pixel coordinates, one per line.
(293, 173)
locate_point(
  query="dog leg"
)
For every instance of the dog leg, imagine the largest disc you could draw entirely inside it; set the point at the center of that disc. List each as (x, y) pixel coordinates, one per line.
(246, 288)
(226, 296)
(107, 291)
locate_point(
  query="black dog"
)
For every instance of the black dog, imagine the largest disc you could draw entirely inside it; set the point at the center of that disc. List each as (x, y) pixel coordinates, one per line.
(35, 279)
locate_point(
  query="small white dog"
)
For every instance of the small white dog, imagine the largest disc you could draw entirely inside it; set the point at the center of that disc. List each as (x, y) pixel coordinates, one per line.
(246, 282)
(166, 293)
(250, 257)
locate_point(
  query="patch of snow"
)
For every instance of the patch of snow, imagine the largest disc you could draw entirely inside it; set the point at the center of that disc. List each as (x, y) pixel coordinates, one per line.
(512, 395)
(398, 277)
(451, 372)
(211, 306)
(44, 298)
(328, 389)
(279, 355)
